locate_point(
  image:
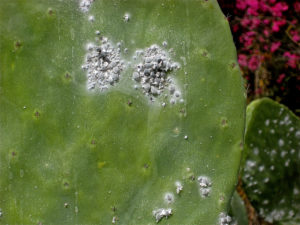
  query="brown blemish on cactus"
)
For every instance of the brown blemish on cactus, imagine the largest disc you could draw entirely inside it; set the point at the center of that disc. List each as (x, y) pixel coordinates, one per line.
(146, 165)
(92, 143)
(67, 76)
(224, 122)
(192, 178)
(36, 114)
(50, 12)
(114, 209)
(65, 184)
(18, 45)
(232, 66)
(129, 103)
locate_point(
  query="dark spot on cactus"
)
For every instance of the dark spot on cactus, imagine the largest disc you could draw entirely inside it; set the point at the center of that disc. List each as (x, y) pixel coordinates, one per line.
(233, 65)
(224, 122)
(18, 45)
(114, 209)
(67, 76)
(37, 114)
(93, 142)
(66, 205)
(13, 153)
(192, 177)
(129, 103)
(50, 11)
(146, 165)
(66, 184)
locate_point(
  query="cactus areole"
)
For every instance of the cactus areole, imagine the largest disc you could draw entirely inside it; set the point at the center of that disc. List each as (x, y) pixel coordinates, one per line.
(118, 112)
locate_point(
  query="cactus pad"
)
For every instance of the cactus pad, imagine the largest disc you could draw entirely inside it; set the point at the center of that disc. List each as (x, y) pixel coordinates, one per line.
(272, 168)
(117, 152)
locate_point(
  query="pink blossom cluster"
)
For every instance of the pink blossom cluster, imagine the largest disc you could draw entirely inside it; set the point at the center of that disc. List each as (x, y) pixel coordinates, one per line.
(268, 33)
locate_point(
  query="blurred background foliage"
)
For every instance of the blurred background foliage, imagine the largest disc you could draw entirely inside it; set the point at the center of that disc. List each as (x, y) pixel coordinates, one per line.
(267, 36)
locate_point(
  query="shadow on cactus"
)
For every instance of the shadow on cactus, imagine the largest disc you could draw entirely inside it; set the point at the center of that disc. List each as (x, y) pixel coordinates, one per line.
(118, 112)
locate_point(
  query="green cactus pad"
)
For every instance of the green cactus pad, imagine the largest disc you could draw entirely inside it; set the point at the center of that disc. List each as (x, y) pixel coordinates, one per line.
(238, 210)
(272, 169)
(70, 155)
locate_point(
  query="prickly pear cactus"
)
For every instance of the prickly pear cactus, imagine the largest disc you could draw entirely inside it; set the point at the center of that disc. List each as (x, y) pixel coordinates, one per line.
(122, 112)
(272, 169)
(238, 210)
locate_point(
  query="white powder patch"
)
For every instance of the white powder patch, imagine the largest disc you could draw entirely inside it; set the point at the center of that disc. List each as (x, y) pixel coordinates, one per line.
(153, 73)
(224, 219)
(205, 185)
(85, 5)
(103, 65)
(161, 213)
(179, 187)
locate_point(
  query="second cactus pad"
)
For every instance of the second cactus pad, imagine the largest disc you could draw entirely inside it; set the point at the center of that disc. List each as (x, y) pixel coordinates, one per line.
(271, 173)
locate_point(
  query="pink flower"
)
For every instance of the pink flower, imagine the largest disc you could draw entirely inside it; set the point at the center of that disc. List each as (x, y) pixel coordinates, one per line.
(261, 39)
(278, 8)
(255, 23)
(235, 28)
(245, 22)
(252, 12)
(297, 7)
(254, 62)
(295, 36)
(275, 46)
(266, 21)
(277, 25)
(263, 6)
(280, 78)
(247, 38)
(242, 59)
(266, 32)
(292, 59)
(241, 4)
(253, 6)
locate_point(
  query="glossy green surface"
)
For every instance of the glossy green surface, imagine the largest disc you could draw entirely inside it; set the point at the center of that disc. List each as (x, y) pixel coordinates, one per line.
(71, 157)
(272, 170)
